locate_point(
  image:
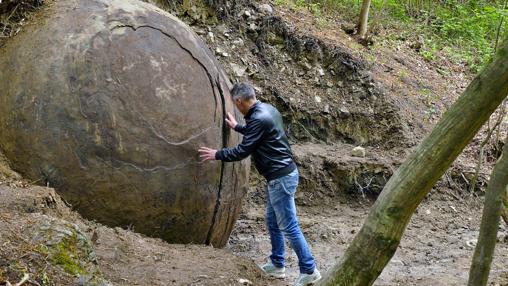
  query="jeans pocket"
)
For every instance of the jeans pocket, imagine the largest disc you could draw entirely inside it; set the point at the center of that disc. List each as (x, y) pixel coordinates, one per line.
(273, 184)
(289, 184)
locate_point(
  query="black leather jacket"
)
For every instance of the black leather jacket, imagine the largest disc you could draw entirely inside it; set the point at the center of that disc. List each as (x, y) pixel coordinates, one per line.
(265, 139)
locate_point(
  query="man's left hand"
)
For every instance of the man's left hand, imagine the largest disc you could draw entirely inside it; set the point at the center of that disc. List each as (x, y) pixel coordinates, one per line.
(206, 154)
(231, 121)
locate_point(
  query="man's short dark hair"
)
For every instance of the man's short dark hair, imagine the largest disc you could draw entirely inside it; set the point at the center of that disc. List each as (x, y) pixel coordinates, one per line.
(243, 90)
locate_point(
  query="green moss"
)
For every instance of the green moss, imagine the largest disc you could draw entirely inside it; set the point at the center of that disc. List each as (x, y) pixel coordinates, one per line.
(199, 10)
(274, 39)
(42, 249)
(44, 279)
(66, 255)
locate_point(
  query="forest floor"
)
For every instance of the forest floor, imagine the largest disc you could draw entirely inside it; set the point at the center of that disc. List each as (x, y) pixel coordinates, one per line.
(334, 96)
(436, 248)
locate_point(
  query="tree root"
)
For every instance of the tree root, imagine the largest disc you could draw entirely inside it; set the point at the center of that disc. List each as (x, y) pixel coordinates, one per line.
(21, 282)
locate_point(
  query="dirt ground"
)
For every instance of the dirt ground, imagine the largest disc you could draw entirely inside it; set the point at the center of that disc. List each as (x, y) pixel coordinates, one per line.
(328, 116)
(34, 218)
(436, 248)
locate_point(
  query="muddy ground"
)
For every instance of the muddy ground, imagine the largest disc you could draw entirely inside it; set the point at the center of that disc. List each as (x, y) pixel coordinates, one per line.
(436, 248)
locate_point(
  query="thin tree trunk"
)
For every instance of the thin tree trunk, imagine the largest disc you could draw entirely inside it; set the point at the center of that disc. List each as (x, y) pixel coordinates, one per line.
(505, 209)
(498, 32)
(486, 140)
(364, 19)
(379, 237)
(494, 204)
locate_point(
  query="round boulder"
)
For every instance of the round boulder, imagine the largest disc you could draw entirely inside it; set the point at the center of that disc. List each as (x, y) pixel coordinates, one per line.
(108, 101)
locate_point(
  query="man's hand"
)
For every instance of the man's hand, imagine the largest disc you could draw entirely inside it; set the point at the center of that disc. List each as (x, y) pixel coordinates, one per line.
(231, 121)
(206, 154)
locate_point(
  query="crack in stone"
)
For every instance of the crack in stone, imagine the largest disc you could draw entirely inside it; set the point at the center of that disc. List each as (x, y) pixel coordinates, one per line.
(224, 134)
(150, 169)
(163, 138)
(224, 143)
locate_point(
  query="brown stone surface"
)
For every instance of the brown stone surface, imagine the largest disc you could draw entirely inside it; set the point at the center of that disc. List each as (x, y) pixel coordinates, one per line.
(108, 102)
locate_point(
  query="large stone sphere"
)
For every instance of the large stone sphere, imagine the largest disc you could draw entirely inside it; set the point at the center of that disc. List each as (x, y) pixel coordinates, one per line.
(108, 101)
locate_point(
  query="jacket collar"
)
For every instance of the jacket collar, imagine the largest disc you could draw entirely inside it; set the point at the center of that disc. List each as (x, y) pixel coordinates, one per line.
(252, 109)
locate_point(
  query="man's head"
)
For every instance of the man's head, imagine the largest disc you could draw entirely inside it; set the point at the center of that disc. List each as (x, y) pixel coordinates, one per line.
(243, 96)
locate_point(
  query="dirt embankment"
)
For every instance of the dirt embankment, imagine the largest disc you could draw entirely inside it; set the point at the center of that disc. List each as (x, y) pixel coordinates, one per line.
(334, 93)
(40, 236)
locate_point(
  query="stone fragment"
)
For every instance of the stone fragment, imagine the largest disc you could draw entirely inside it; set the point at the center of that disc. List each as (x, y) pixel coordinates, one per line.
(344, 112)
(238, 69)
(239, 42)
(211, 36)
(265, 8)
(245, 282)
(253, 27)
(358, 152)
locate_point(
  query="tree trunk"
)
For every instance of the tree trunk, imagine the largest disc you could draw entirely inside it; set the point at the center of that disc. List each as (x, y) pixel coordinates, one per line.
(498, 32)
(494, 204)
(364, 19)
(376, 242)
(505, 209)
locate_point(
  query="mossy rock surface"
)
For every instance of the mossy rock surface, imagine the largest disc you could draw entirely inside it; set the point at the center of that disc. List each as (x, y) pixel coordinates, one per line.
(64, 245)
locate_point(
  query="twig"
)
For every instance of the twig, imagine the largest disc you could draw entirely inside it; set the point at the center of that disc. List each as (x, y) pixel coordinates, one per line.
(23, 280)
(305, 129)
(490, 131)
(464, 177)
(450, 192)
(498, 132)
(362, 188)
(498, 32)
(13, 11)
(451, 184)
(504, 211)
(34, 282)
(33, 182)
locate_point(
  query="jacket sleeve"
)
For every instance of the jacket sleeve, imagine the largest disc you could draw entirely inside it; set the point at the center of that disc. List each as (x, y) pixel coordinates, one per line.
(253, 134)
(240, 128)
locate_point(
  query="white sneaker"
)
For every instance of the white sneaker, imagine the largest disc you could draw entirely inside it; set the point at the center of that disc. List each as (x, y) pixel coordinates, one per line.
(273, 271)
(308, 279)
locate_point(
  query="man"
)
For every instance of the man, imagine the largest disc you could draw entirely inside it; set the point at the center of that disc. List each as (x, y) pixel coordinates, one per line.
(265, 139)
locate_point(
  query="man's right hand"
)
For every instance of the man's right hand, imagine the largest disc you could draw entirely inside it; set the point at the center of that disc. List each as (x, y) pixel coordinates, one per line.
(231, 121)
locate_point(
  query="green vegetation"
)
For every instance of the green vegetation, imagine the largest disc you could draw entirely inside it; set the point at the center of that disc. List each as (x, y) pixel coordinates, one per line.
(72, 253)
(66, 255)
(463, 32)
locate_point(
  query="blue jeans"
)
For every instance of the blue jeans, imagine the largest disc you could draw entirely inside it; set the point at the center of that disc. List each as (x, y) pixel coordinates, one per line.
(281, 219)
